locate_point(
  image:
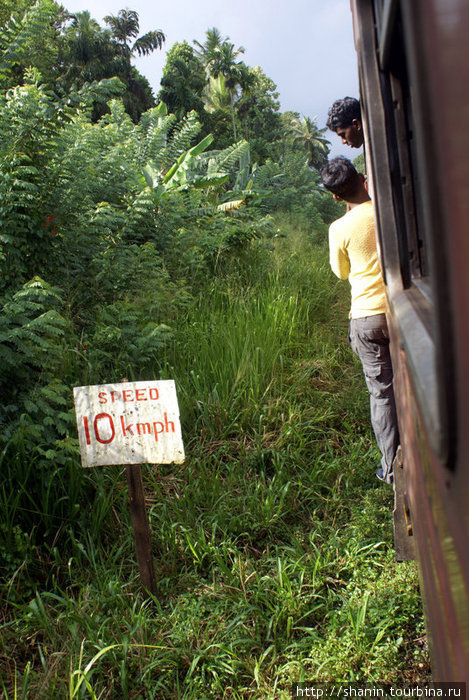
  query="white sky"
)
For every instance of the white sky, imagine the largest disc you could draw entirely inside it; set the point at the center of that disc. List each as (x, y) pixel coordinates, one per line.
(304, 46)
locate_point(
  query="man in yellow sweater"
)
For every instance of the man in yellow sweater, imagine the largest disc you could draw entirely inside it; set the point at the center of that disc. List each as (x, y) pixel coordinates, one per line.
(353, 255)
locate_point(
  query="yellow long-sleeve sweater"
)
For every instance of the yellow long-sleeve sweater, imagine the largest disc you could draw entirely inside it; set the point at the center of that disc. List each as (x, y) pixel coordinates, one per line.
(353, 254)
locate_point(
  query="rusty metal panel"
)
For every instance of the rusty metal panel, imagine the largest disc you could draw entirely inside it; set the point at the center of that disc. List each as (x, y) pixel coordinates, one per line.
(403, 533)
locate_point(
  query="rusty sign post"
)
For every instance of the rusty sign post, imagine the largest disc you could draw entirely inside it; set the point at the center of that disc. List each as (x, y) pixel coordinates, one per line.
(131, 423)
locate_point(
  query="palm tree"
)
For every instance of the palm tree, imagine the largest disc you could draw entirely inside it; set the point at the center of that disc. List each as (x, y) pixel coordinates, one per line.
(224, 72)
(125, 26)
(183, 81)
(206, 51)
(304, 131)
(89, 50)
(212, 41)
(222, 62)
(94, 53)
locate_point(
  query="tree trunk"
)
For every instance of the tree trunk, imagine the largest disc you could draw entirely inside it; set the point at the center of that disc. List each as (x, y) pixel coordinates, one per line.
(233, 115)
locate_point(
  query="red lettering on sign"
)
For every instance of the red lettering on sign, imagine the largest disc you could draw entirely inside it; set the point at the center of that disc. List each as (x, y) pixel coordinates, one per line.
(87, 430)
(126, 429)
(129, 395)
(155, 423)
(143, 428)
(99, 417)
(168, 423)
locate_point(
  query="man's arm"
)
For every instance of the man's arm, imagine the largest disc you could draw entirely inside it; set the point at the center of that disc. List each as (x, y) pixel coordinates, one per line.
(338, 257)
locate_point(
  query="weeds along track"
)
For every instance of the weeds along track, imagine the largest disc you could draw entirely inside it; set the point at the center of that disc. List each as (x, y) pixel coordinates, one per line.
(272, 544)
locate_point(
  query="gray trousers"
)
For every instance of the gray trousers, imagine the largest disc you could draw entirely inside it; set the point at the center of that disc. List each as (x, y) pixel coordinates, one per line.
(369, 339)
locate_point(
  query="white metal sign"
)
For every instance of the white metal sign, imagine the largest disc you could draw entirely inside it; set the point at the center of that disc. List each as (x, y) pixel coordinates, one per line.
(130, 423)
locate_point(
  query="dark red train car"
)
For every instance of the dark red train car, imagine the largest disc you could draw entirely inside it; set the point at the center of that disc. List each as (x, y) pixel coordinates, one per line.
(413, 60)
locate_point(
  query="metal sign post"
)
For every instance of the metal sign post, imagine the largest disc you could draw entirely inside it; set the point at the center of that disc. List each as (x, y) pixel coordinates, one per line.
(131, 423)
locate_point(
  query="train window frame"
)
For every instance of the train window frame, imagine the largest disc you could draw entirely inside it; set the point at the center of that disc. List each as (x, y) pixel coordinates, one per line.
(396, 81)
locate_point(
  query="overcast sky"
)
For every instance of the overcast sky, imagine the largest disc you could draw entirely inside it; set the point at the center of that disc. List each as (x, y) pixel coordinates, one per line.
(304, 46)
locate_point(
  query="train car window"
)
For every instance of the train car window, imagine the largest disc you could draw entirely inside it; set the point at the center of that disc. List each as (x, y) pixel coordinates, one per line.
(396, 85)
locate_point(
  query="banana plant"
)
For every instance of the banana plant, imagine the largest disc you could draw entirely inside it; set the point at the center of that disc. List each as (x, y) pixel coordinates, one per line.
(199, 169)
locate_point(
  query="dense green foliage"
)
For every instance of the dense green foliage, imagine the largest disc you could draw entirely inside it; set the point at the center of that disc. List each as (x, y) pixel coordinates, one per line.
(272, 543)
(101, 226)
(183, 81)
(143, 242)
(71, 51)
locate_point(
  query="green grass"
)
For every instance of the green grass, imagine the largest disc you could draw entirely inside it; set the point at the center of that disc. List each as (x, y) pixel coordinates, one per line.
(272, 543)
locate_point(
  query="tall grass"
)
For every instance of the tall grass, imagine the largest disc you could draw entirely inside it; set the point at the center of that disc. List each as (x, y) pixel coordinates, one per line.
(272, 543)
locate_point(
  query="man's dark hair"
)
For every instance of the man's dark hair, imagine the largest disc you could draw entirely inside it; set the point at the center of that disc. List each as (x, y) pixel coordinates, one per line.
(343, 112)
(340, 177)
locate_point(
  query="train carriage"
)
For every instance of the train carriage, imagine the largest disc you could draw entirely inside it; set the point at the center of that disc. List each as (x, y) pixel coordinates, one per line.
(413, 61)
